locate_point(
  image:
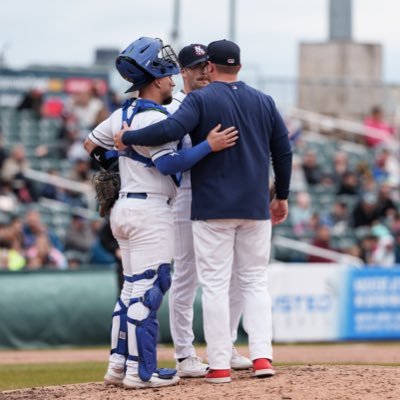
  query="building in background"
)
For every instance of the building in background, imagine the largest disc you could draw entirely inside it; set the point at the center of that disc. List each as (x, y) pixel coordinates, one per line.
(341, 76)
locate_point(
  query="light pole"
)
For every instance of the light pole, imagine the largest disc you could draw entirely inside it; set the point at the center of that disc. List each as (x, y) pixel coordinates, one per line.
(232, 20)
(175, 34)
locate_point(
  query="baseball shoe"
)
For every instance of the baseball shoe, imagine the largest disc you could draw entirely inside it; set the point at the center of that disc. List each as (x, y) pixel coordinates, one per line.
(114, 376)
(191, 367)
(134, 382)
(218, 376)
(262, 368)
(239, 362)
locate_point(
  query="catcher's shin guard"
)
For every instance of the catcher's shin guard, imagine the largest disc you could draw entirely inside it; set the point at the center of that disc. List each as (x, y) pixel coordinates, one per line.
(147, 329)
(120, 335)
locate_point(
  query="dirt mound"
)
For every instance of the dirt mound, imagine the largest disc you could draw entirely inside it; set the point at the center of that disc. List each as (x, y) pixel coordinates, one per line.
(291, 383)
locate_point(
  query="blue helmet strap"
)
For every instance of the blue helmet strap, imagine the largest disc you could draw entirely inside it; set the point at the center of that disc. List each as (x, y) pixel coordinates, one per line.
(141, 105)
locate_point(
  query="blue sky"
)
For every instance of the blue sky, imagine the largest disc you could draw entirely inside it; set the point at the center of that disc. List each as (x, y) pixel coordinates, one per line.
(268, 31)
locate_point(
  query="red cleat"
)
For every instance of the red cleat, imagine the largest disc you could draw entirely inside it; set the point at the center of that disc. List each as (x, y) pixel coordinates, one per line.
(262, 368)
(218, 376)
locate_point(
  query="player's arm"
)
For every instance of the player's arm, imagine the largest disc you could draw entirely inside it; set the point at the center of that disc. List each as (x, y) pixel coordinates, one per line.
(98, 154)
(168, 130)
(99, 142)
(184, 159)
(281, 154)
(175, 127)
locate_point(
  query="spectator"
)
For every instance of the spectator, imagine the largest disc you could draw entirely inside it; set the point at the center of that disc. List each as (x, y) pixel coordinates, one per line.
(88, 109)
(322, 240)
(79, 235)
(337, 218)
(16, 226)
(80, 173)
(387, 207)
(383, 254)
(368, 244)
(311, 168)
(348, 184)
(10, 258)
(340, 166)
(366, 210)
(43, 254)
(34, 227)
(100, 255)
(299, 182)
(8, 200)
(50, 191)
(13, 170)
(301, 213)
(377, 130)
(379, 170)
(33, 101)
(83, 111)
(386, 167)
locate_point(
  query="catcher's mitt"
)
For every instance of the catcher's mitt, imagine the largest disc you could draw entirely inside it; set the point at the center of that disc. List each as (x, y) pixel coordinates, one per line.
(106, 185)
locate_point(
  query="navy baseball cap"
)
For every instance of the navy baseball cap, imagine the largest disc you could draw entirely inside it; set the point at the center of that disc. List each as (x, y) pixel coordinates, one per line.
(223, 52)
(192, 55)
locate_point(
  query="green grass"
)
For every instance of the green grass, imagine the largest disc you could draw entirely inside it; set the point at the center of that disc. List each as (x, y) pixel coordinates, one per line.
(17, 376)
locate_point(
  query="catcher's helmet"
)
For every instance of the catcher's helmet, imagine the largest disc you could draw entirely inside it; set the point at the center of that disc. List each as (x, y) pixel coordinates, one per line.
(144, 60)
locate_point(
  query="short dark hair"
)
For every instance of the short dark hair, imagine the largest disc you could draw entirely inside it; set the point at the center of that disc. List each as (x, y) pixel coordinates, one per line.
(227, 69)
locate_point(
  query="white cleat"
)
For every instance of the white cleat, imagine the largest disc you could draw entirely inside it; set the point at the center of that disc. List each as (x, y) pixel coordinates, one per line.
(192, 367)
(239, 362)
(134, 382)
(114, 376)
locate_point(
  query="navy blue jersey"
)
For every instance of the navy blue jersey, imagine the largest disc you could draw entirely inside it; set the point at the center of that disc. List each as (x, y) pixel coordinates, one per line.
(234, 183)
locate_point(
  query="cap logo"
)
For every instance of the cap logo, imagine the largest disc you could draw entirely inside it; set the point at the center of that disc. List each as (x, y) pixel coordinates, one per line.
(230, 61)
(199, 51)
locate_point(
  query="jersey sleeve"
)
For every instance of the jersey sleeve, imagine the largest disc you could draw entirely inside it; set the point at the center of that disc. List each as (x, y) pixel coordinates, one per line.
(103, 134)
(281, 154)
(188, 114)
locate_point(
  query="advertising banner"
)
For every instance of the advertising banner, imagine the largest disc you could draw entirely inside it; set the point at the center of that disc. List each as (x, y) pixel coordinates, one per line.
(307, 301)
(373, 310)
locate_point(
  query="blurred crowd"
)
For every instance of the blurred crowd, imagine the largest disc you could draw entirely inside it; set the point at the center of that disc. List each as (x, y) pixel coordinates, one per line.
(346, 205)
(26, 240)
(337, 203)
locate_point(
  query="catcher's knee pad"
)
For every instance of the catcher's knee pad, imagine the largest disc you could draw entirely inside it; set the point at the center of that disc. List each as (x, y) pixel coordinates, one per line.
(147, 329)
(122, 330)
(164, 277)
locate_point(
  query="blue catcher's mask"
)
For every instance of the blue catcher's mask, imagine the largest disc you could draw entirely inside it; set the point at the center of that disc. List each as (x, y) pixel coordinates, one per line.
(146, 59)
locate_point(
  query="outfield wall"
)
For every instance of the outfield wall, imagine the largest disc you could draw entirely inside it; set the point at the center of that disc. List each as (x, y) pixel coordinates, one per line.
(318, 302)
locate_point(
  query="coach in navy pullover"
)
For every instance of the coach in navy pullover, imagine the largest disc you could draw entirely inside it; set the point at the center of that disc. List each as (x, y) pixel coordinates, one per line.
(233, 183)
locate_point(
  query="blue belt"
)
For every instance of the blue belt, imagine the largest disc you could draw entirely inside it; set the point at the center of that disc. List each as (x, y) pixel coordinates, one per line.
(142, 196)
(136, 195)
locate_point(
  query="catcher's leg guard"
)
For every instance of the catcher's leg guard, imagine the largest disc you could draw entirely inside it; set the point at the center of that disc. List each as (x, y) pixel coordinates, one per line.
(147, 329)
(122, 330)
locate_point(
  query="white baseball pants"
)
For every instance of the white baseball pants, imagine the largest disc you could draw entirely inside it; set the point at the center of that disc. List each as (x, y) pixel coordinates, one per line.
(222, 245)
(185, 282)
(144, 231)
